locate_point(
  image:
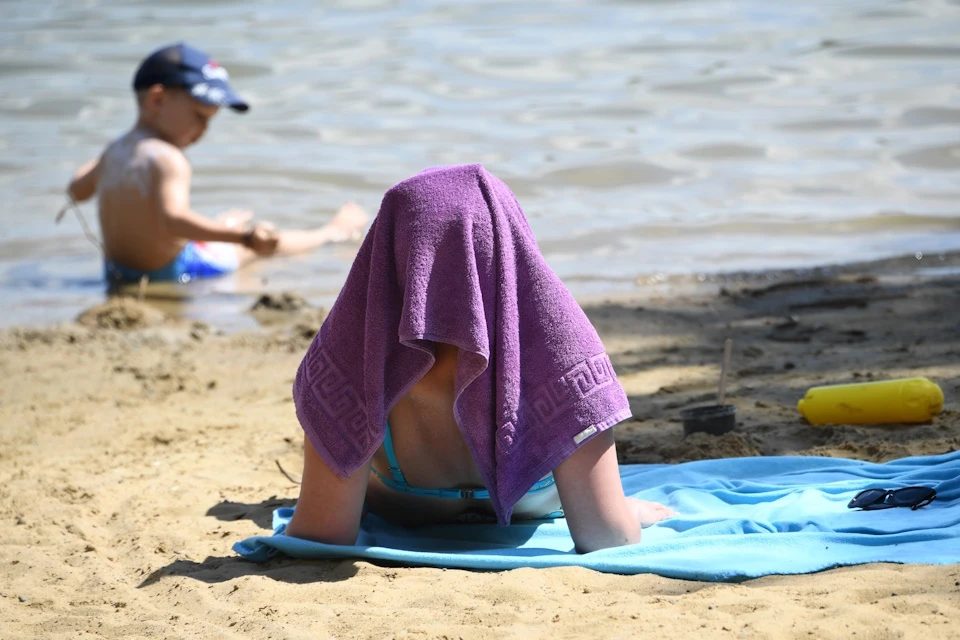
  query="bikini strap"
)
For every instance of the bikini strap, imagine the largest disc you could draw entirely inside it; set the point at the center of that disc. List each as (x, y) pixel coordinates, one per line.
(392, 457)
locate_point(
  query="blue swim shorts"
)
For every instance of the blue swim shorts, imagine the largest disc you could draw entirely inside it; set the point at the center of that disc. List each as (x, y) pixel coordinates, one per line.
(197, 260)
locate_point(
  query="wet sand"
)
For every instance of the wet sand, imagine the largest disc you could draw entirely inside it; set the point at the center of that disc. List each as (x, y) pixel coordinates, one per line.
(135, 449)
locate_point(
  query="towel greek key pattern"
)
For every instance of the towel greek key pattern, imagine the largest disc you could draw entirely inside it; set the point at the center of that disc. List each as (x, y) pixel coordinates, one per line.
(580, 381)
(337, 399)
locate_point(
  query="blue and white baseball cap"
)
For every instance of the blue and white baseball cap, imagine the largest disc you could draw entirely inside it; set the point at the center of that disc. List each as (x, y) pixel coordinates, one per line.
(185, 67)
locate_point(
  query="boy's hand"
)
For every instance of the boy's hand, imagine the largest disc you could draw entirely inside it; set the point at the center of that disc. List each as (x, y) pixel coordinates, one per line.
(262, 239)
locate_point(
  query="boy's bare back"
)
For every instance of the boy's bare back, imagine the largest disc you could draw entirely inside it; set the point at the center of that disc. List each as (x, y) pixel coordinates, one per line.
(134, 169)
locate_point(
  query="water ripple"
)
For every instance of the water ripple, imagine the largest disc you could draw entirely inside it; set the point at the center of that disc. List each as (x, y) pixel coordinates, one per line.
(640, 137)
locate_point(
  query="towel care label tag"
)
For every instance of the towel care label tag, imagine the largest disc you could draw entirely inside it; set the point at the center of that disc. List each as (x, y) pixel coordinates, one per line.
(583, 435)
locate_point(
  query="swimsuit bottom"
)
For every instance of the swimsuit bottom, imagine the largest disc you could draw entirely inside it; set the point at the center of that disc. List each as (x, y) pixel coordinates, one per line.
(197, 260)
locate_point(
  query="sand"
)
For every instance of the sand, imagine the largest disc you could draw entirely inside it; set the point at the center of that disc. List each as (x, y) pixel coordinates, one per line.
(135, 449)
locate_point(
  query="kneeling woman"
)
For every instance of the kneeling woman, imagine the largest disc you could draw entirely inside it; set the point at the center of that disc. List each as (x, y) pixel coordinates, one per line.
(456, 378)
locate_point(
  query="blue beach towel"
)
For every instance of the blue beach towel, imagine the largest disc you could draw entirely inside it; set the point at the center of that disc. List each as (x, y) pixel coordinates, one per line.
(738, 518)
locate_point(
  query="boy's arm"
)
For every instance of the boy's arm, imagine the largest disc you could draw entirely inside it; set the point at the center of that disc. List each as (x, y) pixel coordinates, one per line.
(173, 205)
(84, 182)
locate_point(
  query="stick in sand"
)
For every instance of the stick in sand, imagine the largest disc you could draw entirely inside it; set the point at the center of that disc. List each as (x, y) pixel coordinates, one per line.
(727, 352)
(286, 473)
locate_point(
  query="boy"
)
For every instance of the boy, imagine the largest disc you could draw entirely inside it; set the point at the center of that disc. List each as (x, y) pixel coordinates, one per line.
(143, 183)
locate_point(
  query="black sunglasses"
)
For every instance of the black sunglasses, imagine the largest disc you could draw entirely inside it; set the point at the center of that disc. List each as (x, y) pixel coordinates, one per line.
(913, 497)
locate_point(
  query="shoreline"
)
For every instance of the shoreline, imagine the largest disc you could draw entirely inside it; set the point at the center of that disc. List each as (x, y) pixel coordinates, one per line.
(224, 303)
(135, 449)
(899, 266)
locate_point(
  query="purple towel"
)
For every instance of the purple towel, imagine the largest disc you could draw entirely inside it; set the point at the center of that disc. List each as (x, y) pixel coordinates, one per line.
(450, 258)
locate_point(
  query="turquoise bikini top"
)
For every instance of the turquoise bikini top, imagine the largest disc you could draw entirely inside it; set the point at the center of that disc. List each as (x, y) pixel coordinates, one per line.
(399, 483)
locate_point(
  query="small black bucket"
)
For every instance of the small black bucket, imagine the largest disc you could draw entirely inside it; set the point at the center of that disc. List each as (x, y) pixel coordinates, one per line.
(715, 419)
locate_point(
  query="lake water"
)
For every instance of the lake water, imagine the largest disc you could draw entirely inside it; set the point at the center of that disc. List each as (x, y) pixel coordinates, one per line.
(644, 139)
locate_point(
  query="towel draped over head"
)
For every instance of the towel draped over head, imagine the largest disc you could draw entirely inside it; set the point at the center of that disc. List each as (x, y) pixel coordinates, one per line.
(451, 258)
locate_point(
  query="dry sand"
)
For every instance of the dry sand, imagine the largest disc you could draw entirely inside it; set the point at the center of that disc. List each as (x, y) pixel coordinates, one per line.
(134, 450)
